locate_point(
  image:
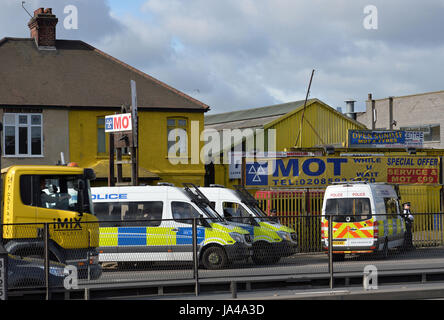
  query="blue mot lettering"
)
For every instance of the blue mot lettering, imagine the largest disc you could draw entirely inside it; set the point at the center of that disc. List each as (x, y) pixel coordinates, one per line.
(292, 167)
(306, 167)
(337, 165)
(321, 166)
(280, 166)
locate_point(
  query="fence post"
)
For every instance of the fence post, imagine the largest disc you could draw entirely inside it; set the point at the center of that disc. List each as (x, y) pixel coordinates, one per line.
(195, 259)
(46, 257)
(330, 249)
(87, 296)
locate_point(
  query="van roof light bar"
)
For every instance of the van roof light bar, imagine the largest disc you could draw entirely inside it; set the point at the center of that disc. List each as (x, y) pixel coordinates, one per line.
(349, 182)
(165, 184)
(215, 185)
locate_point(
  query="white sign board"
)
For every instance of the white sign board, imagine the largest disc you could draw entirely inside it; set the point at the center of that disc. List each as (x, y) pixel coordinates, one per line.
(235, 166)
(118, 122)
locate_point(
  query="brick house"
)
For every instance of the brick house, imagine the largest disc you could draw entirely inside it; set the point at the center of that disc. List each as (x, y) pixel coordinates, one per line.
(54, 95)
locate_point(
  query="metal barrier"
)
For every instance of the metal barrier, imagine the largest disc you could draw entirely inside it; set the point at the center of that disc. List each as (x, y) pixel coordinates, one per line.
(298, 204)
(134, 254)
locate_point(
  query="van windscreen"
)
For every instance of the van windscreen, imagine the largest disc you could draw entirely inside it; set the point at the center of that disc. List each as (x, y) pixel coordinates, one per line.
(348, 209)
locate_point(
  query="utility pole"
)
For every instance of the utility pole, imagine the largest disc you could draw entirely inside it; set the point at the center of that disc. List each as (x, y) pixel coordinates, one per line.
(123, 133)
(135, 127)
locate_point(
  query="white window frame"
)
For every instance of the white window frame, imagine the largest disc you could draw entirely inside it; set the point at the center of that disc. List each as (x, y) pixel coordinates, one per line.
(28, 125)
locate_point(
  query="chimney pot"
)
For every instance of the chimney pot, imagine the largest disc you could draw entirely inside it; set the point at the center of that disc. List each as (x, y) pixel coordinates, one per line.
(38, 11)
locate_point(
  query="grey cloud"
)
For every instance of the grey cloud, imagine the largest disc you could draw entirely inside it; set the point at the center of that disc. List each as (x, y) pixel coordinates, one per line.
(231, 54)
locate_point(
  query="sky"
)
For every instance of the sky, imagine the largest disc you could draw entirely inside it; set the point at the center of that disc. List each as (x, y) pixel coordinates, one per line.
(241, 54)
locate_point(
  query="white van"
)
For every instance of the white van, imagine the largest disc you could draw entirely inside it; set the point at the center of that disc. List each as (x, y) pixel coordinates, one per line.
(271, 240)
(366, 218)
(154, 223)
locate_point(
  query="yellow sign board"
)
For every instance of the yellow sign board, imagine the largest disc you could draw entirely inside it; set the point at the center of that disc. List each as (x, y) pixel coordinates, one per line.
(322, 171)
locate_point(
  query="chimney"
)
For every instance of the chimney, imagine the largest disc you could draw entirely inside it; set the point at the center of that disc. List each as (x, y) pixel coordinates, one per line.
(43, 28)
(350, 109)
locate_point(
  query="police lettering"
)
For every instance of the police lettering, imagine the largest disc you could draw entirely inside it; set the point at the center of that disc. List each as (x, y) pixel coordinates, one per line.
(109, 196)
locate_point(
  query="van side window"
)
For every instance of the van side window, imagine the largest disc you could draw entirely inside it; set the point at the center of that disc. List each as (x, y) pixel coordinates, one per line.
(235, 210)
(26, 189)
(108, 211)
(391, 208)
(183, 212)
(58, 192)
(149, 211)
(101, 210)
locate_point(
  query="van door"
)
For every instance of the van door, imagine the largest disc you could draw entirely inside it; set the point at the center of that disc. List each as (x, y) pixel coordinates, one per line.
(56, 199)
(182, 230)
(393, 228)
(352, 221)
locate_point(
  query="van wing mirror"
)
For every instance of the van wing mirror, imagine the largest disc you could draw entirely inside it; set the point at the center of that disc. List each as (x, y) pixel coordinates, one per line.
(89, 174)
(202, 221)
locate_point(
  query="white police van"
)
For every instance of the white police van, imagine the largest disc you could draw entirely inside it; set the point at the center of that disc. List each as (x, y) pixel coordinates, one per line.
(366, 218)
(271, 240)
(154, 223)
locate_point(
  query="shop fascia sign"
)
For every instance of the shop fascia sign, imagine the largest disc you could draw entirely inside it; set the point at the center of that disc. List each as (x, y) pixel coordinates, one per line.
(385, 139)
(118, 122)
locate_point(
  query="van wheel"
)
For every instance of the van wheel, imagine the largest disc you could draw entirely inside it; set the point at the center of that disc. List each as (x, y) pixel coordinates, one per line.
(384, 252)
(214, 258)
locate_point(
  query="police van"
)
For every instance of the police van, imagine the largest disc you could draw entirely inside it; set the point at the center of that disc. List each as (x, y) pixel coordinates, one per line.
(154, 223)
(366, 218)
(271, 240)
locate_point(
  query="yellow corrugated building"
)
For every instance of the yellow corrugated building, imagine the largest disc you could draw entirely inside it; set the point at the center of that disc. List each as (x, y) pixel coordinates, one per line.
(320, 131)
(296, 126)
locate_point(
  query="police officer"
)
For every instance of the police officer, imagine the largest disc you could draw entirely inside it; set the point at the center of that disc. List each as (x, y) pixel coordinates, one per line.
(408, 218)
(273, 215)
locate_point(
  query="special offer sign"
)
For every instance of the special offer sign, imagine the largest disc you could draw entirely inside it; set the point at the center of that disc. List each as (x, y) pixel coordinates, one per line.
(118, 122)
(321, 171)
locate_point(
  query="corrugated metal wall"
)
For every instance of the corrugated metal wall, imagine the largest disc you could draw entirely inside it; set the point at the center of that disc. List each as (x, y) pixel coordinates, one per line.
(426, 207)
(330, 127)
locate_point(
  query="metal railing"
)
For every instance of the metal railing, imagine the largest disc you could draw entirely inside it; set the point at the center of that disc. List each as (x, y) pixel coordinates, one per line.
(196, 251)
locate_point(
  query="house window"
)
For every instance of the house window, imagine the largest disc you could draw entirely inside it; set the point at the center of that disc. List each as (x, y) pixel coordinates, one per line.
(101, 136)
(23, 134)
(177, 138)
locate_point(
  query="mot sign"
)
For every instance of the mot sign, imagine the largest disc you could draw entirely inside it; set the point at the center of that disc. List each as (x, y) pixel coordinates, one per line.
(118, 123)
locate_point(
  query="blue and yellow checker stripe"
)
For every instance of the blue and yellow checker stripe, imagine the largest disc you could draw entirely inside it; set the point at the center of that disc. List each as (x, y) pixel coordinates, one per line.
(148, 236)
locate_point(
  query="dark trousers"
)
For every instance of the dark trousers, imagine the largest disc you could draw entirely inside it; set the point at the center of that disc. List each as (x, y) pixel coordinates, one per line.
(408, 235)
